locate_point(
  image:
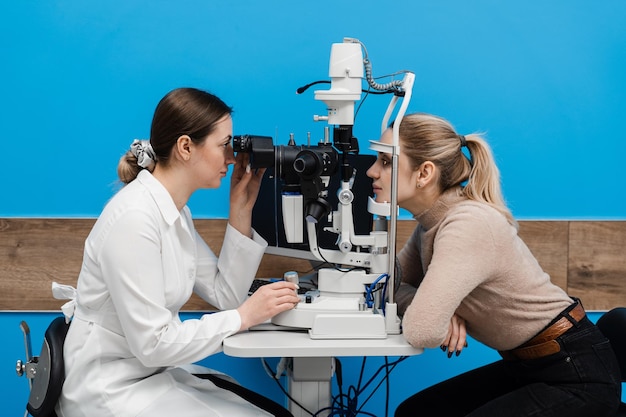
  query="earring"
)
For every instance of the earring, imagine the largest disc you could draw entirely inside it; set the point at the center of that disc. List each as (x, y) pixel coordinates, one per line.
(419, 185)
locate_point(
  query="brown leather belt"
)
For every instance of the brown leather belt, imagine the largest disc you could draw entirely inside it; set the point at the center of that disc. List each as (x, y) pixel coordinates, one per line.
(545, 343)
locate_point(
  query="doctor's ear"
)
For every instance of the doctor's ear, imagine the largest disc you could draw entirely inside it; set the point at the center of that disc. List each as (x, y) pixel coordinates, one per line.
(183, 147)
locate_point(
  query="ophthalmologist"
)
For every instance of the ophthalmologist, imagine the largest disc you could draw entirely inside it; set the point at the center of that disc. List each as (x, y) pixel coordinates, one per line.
(143, 259)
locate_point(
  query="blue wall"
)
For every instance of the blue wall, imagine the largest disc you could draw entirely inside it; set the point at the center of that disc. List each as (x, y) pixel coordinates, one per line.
(544, 80)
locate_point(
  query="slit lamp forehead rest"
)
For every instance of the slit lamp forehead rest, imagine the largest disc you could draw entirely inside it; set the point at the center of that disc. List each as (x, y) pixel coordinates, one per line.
(379, 146)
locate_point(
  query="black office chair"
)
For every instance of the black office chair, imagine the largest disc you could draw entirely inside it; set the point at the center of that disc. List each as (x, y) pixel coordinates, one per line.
(45, 372)
(613, 325)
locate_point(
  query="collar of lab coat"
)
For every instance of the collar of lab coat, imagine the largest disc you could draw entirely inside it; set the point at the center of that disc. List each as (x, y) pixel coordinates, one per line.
(161, 196)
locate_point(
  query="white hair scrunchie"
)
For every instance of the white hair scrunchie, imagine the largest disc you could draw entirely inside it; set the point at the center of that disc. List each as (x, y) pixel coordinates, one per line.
(146, 158)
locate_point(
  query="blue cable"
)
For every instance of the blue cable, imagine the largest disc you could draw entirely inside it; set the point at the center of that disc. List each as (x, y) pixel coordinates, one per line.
(369, 298)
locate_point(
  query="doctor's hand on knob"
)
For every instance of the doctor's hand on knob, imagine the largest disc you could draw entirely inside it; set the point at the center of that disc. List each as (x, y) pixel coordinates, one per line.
(266, 302)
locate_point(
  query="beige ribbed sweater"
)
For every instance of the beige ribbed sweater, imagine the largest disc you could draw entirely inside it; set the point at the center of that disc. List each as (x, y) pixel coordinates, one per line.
(467, 259)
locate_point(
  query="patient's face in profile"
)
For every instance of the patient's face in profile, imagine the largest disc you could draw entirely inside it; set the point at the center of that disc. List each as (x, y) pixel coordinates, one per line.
(381, 173)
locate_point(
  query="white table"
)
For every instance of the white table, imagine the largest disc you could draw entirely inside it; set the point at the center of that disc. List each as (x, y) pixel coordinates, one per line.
(313, 360)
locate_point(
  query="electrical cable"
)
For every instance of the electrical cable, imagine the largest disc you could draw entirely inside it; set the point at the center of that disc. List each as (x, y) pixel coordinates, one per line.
(334, 266)
(306, 87)
(367, 93)
(302, 89)
(389, 367)
(387, 390)
(392, 364)
(394, 86)
(370, 289)
(347, 405)
(277, 380)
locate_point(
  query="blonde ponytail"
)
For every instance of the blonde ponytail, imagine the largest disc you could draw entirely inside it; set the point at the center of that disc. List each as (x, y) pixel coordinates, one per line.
(483, 183)
(425, 137)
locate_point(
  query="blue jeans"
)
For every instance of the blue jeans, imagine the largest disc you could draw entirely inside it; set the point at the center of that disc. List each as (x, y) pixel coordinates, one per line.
(582, 380)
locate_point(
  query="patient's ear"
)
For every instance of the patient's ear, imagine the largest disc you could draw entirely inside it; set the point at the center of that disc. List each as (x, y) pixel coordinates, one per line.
(426, 173)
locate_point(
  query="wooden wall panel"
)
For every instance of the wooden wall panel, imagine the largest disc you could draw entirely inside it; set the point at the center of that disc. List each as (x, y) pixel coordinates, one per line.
(548, 241)
(33, 254)
(587, 258)
(597, 263)
(272, 266)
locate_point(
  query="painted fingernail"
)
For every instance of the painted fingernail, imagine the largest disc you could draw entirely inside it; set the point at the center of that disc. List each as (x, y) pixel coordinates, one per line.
(458, 352)
(248, 169)
(449, 354)
(443, 347)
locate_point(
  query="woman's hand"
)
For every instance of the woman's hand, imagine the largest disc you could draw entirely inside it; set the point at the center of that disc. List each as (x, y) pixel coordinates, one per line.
(456, 340)
(244, 189)
(268, 301)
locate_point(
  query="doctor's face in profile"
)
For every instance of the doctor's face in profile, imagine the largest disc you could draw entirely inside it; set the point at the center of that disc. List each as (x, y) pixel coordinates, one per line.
(215, 154)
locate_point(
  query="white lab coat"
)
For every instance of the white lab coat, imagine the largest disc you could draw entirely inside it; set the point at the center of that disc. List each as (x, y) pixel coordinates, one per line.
(142, 260)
